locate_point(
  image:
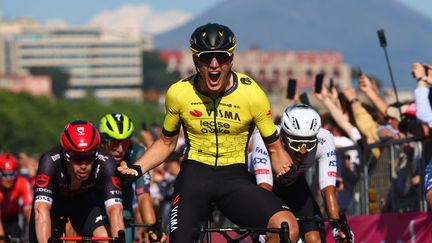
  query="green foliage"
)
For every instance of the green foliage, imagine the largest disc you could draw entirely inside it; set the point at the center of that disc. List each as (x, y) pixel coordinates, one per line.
(33, 124)
(59, 77)
(155, 72)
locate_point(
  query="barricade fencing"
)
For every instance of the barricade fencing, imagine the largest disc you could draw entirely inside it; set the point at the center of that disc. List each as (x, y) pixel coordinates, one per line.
(391, 183)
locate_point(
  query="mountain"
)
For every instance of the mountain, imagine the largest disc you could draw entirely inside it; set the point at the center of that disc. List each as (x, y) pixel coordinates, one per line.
(347, 26)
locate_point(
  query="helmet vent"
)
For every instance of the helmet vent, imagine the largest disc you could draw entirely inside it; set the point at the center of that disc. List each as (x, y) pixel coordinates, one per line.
(295, 124)
(120, 127)
(109, 126)
(313, 124)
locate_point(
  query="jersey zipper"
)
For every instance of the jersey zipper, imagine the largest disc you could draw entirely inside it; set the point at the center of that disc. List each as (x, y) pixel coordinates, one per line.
(216, 131)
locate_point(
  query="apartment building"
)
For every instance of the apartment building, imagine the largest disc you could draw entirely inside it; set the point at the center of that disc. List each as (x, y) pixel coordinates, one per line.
(272, 69)
(102, 65)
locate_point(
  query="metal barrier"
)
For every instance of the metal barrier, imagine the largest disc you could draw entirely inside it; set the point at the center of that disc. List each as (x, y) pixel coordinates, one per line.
(384, 184)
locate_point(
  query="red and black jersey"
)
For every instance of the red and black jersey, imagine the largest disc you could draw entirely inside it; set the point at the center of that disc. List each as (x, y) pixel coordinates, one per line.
(53, 179)
(19, 196)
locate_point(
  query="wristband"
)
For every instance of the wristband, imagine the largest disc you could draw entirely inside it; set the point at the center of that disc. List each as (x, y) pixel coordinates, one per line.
(353, 101)
(422, 78)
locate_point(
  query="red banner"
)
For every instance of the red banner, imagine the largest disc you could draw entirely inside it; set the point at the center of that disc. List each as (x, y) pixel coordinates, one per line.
(379, 228)
(389, 228)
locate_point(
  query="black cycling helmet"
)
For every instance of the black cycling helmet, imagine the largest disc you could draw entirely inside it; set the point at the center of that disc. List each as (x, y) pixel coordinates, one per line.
(212, 37)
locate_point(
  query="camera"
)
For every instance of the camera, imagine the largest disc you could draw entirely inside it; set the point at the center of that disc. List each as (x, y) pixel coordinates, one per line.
(411, 125)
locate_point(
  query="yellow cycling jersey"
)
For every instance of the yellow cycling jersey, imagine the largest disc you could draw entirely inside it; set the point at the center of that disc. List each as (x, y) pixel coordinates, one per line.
(217, 130)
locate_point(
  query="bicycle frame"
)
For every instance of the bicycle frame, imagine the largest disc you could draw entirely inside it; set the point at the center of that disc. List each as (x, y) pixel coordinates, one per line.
(283, 232)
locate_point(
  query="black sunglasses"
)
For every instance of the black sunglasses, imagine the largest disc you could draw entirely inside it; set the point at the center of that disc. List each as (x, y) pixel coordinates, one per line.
(206, 57)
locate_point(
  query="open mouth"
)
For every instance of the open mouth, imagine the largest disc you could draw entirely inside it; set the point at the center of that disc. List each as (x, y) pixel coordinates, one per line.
(82, 174)
(214, 77)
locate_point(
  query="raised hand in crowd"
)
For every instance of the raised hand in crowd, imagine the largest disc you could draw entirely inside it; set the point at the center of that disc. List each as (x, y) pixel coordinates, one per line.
(419, 73)
(350, 94)
(369, 88)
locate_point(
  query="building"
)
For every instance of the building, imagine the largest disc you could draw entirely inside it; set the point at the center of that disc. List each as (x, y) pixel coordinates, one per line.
(34, 85)
(273, 69)
(105, 65)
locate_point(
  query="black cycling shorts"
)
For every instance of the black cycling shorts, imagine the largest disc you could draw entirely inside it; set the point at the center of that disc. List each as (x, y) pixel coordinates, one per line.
(229, 188)
(301, 201)
(83, 212)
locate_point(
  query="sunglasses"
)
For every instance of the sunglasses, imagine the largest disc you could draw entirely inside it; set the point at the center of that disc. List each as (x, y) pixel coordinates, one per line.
(114, 144)
(296, 145)
(8, 174)
(81, 158)
(206, 57)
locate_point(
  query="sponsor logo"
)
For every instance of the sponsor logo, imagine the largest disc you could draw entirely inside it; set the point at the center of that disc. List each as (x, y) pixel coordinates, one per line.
(261, 151)
(39, 189)
(331, 173)
(147, 178)
(200, 103)
(80, 131)
(224, 104)
(173, 219)
(268, 114)
(258, 160)
(99, 218)
(116, 182)
(42, 180)
(212, 127)
(175, 200)
(331, 153)
(246, 81)
(262, 172)
(224, 114)
(96, 172)
(55, 157)
(115, 192)
(43, 198)
(102, 157)
(332, 163)
(195, 113)
(321, 141)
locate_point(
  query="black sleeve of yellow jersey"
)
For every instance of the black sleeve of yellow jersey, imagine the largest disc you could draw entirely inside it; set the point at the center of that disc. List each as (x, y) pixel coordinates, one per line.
(270, 139)
(170, 134)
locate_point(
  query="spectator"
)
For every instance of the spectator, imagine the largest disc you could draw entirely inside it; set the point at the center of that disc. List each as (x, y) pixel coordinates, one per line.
(15, 196)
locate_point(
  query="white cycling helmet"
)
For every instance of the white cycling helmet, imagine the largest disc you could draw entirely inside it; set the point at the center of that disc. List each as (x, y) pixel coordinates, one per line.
(300, 120)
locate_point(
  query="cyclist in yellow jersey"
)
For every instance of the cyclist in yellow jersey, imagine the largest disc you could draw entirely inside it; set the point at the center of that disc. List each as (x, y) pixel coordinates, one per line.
(218, 110)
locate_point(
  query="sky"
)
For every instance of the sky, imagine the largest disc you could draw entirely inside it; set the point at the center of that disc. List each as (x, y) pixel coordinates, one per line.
(154, 17)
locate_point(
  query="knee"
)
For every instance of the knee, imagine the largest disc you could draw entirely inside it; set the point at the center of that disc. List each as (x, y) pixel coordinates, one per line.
(100, 232)
(287, 216)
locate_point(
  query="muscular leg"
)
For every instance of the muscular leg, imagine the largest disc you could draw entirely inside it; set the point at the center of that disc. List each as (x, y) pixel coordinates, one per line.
(100, 231)
(276, 221)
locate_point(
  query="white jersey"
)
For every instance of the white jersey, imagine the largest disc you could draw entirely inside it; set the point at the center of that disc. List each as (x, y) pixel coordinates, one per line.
(324, 154)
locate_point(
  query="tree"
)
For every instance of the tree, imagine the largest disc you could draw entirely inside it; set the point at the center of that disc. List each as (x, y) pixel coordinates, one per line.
(33, 124)
(59, 77)
(155, 72)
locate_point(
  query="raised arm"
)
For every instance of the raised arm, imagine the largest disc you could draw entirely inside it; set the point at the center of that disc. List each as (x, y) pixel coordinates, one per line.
(340, 118)
(365, 85)
(421, 93)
